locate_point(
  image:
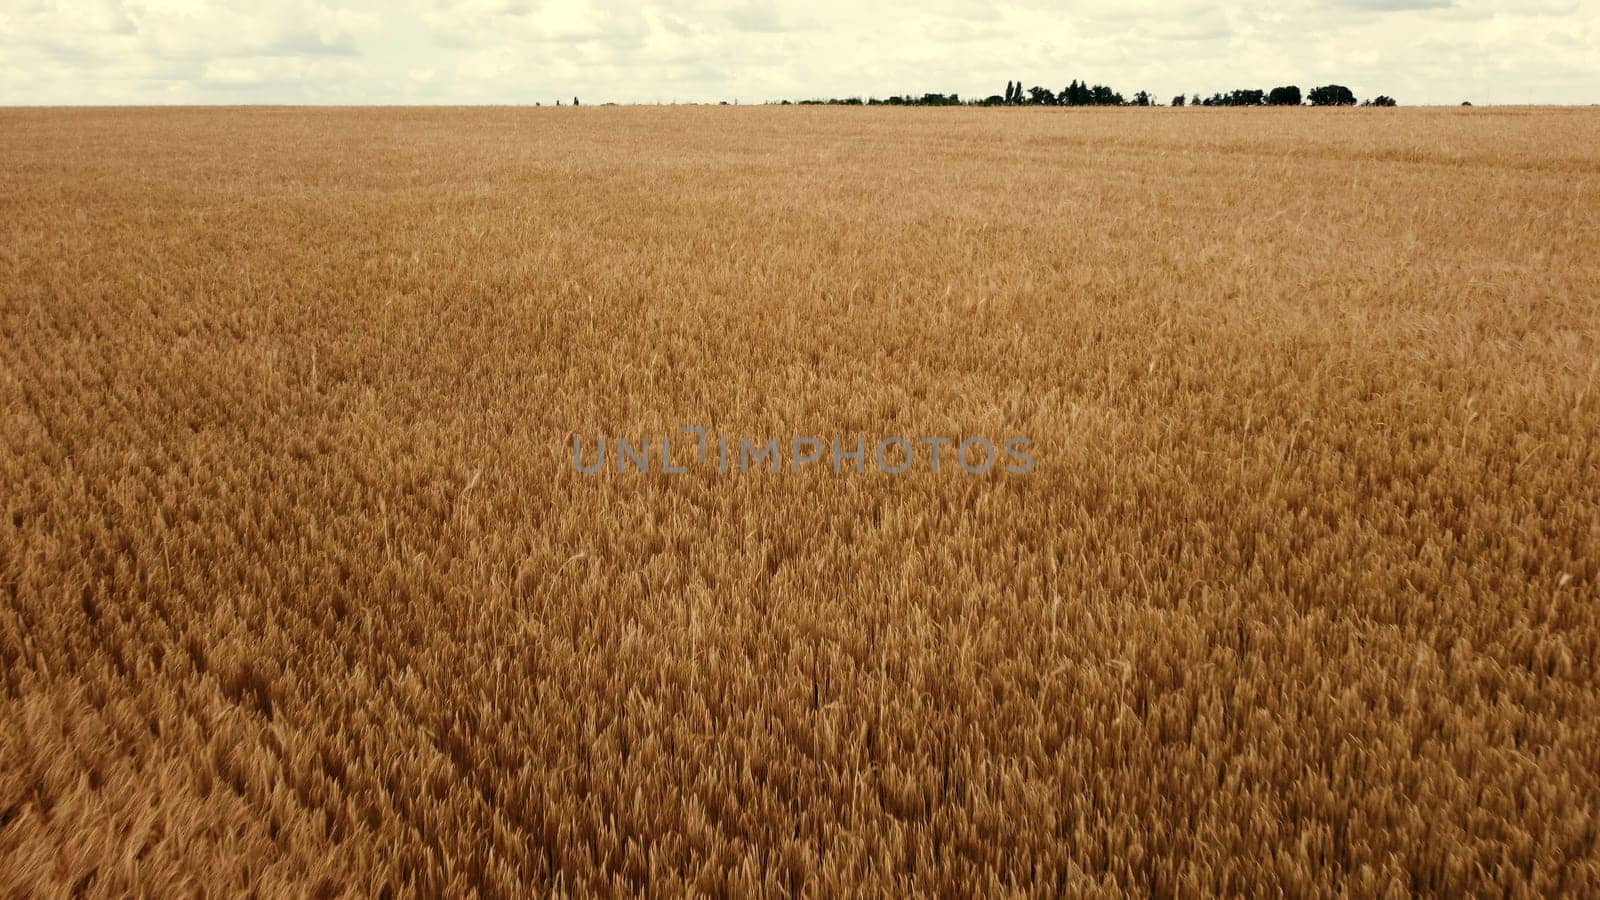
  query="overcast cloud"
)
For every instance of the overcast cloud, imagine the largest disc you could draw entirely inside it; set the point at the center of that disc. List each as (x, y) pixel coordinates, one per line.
(523, 51)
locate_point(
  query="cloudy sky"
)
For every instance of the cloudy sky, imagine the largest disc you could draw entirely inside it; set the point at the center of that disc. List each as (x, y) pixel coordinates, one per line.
(522, 51)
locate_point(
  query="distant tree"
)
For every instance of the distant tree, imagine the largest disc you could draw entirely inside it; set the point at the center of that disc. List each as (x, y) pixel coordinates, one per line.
(574, 101)
(1383, 100)
(1009, 92)
(1284, 96)
(1195, 100)
(1332, 95)
(993, 100)
(1141, 99)
(1466, 103)
(1178, 100)
(1041, 96)
(1104, 96)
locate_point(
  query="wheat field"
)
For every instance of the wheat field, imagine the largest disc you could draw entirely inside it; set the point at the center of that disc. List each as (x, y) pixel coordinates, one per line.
(302, 592)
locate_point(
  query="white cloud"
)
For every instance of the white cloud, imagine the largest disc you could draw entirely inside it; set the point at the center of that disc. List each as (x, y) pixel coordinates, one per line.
(521, 51)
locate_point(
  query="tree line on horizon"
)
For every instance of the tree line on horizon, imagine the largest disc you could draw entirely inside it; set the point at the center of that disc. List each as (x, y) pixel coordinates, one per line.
(1081, 93)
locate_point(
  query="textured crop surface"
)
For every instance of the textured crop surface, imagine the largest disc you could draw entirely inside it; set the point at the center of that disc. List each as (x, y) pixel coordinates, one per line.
(301, 591)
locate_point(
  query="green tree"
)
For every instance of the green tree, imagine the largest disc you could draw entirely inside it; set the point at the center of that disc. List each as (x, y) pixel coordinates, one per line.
(1284, 96)
(1332, 95)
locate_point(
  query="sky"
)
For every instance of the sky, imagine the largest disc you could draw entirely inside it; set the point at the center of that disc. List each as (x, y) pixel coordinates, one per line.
(750, 51)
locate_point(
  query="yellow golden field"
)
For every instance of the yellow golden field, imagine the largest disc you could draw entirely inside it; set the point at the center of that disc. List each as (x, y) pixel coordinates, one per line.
(301, 590)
